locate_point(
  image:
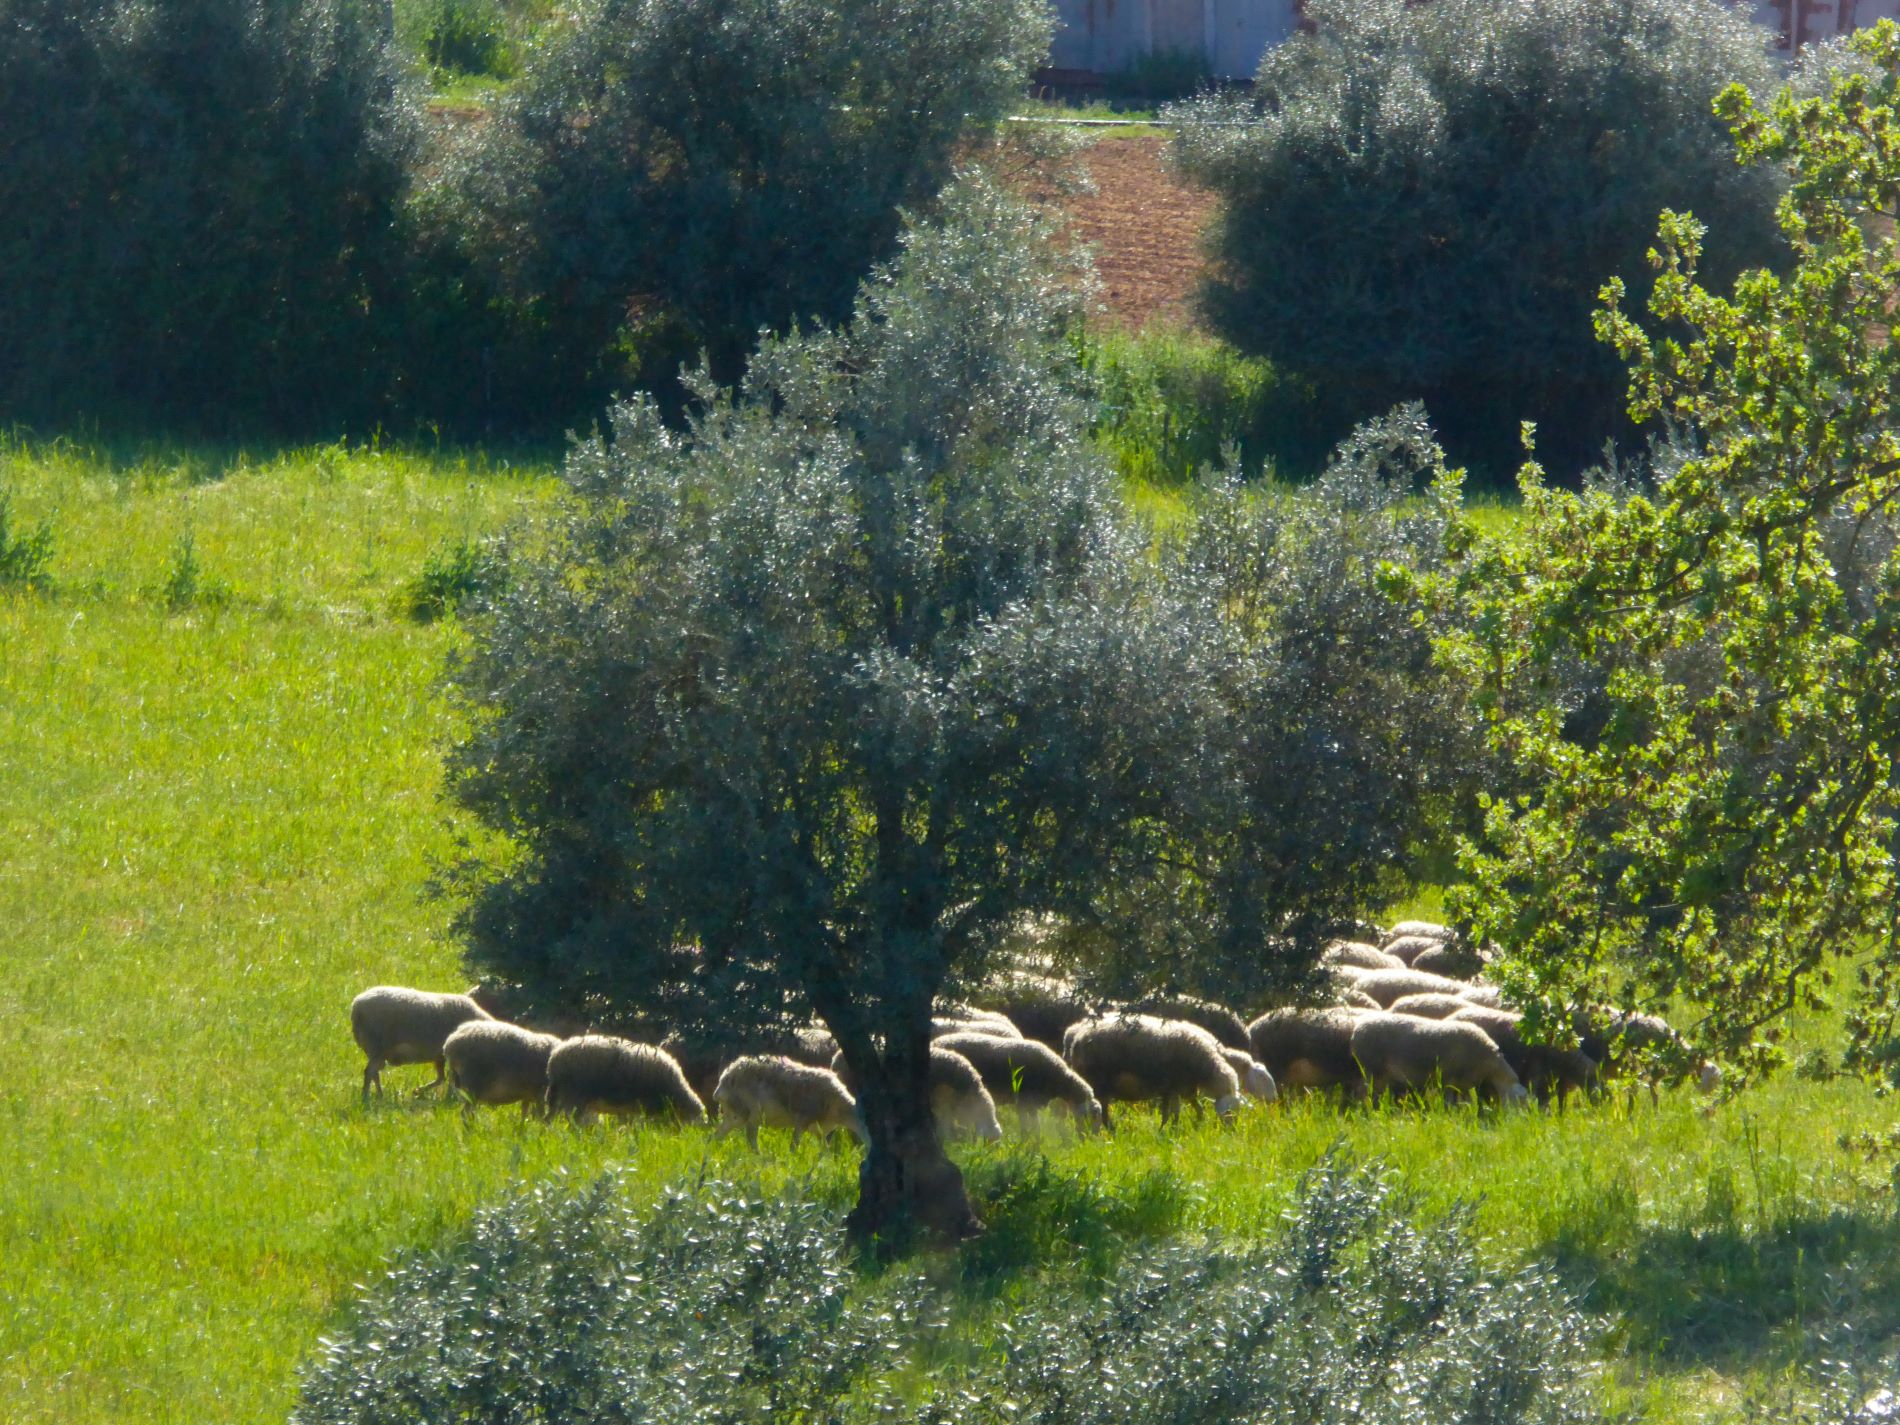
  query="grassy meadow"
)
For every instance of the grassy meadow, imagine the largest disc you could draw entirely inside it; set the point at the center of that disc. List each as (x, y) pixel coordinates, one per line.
(219, 777)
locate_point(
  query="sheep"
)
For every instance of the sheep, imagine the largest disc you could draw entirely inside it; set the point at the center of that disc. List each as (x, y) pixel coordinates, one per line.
(1388, 986)
(1402, 1054)
(491, 1061)
(963, 1018)
(1542, 1068)
(599, 1072)
(1028, 1074)
(1610, 1036)
(1042, 1009)
(1136, 1057)
(812, 1044)
(395, 1026)
(1352, 997)
(1431, 1006)
(1454, 959)
(1218, 1020)
(1357, 953)
(1310, 1048)
(772, 1091)
(1407, 948)
(958, 1100)
(1423, 929)
(1255, 1080)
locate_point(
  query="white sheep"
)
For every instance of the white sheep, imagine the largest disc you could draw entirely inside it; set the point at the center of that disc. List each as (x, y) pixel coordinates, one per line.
(395, 1026)
(1311, 1048)
(1359, 954)
(1137, 1058)
(1256, 1081)
(771, 1091)
(1028, 1074)
(1390, 986)
(1400, 1054)
(497, 1063)
(602, 1073)
(958, 1100)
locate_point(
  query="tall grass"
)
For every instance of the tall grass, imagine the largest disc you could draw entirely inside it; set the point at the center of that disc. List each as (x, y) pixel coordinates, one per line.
(218, 823)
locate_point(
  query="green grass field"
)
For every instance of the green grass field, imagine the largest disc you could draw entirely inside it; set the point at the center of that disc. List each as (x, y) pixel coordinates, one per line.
(219, 817)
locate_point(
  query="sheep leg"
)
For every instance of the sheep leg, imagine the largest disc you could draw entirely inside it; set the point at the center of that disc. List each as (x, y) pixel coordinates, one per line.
(372, 1074)
(752, 1133)
(798, 1133)
(1170, 1109)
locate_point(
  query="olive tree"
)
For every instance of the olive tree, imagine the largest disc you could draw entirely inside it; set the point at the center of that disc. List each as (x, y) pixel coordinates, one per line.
(1418, 201)
(672, 176)
(807, 706)
(1718, 823)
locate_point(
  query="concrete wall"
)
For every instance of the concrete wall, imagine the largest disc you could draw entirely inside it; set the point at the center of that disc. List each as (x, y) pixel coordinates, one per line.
(1103, 36)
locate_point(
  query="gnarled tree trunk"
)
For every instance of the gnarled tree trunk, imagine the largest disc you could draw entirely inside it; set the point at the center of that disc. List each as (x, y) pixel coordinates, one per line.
(907, 1187)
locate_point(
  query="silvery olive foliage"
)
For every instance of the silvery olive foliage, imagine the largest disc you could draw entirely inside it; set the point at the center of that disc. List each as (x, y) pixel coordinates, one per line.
(671, 176)
(203, 207)
(1354, 757)
(1421, 201)
(569, 1305)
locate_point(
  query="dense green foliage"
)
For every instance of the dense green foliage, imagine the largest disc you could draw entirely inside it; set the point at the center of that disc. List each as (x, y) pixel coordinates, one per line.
(1698, 687)
(202, 202)
(573, 1306)
(667, 178)
(1420, 201)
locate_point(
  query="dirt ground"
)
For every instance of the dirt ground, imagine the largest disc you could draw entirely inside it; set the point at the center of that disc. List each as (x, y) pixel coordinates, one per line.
(1145, 227)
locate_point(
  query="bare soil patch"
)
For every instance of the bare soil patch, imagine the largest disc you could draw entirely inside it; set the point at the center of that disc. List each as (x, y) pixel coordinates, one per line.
(1145, 227)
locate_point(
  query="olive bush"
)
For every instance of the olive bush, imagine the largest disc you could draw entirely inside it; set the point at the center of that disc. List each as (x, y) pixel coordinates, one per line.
(672, 176)
(203, 209)
(571, 1305)
(1421, 201)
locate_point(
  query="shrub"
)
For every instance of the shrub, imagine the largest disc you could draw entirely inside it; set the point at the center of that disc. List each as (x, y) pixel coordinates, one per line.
(1172, 404)
(570, 1305)
(463, 36)
(452, 577)
(201, 199)
(26, 556)
(1421, 201)
(670, 176)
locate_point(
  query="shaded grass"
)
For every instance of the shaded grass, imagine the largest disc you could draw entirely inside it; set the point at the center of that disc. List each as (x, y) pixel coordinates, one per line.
(218, 823)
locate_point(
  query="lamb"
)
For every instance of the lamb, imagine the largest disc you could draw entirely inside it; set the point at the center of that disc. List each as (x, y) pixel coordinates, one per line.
(958, 1100)
(1400, 1054)
(1255, 1080)
(395, 1026)
(771, 1091)
(1431, 1006)
(1542, 1068)
(1360, 955)
(1030, 1075)
(598, 1072)
(493, 1062)
(1137, 1057)
(1389, 986)
(1310, 1048)
(1218, 1020)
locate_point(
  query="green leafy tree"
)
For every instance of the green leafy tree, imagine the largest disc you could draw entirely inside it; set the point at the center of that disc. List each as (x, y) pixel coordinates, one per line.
(1698, 685)
(203, 202)
(806, 707)
(669, 177)
(1419, 201)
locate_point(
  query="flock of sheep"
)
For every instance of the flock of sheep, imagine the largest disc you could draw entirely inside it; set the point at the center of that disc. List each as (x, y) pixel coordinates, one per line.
(1412, 1017)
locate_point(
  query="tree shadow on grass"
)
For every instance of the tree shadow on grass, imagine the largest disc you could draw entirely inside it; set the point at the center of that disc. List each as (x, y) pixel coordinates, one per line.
(1725, 1295)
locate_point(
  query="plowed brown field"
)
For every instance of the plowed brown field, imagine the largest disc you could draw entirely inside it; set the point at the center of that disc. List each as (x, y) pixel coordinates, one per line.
(1145, 227)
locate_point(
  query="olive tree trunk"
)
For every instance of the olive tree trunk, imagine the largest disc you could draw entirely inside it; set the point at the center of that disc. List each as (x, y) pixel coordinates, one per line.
(907, 1187)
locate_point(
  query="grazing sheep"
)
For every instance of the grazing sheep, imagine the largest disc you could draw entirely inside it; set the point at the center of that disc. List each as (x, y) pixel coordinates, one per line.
(1137, 1057)
(1218, 1020)
(1423, 929)
(1407, 948)
(395, 1026)
(1431, 1006)
(1255, 1080)
(1041, 1008)
(812, 1045)
(1028, 1074)
(1404, 1055)
(969, 1019)
(1542, 1068)
(1455, 959)
(1310, 1048)
(958, 1100)
(1352, 997)
(1389, 986)
(1612, 1036)
(494, 1062)
(600, 1073)
(1360, 955)
(771, 1091)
